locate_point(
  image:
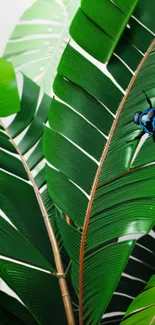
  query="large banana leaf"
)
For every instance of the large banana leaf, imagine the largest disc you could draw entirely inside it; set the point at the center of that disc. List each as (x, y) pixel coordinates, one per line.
(140, 268)
(13, 311)
(109, 21)
(142, 309)
(26, 258)
(91, 174)
(37, 42)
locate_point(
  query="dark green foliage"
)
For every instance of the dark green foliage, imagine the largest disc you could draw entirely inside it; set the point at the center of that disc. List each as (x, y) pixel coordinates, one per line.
(142, 309)
(98, 25)
(25, 239)
(122, 206)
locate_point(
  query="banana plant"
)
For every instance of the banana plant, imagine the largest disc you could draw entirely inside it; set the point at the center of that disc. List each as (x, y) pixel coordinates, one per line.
(142, 309)
(97, 174)
(38, 40)
(14, 312)
(30, 244)
(35, 47)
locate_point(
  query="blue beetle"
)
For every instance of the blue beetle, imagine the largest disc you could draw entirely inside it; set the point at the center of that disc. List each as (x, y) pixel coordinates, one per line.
(146, 120)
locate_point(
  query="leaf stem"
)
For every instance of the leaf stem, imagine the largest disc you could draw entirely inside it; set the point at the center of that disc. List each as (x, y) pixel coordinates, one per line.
(153, 320)
(57, 257)
(96, 180)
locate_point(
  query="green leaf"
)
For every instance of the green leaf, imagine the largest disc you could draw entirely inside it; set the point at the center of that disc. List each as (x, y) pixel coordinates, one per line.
(94, 82)
(28, 105)
(17, 209)
(58, 117)
(101, 22)
(144, 300)
(138, 271)
(9, 97)
(24, 228)
(72, 153)
(151, 283)
(5, 143)
(12, 308)
(15, 167)
(142, 309)
(41, 35)
(38, 290)
(23, 250)
(107, 193)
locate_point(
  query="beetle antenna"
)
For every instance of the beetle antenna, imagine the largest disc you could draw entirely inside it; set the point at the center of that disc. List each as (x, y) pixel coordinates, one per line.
(145, 94)
(147, 98)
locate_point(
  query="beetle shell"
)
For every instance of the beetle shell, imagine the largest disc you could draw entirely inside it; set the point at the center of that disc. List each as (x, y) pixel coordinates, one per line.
(147, 120)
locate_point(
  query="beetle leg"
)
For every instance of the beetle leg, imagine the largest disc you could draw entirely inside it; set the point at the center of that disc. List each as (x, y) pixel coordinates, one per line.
(138, 137)
(148, 99)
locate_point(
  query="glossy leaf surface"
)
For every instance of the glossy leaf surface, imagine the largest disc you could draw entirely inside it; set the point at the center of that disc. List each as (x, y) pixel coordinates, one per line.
(12, 308)
(142, 309)
(108, 196)
(38, 290)
(24, 239)
(98, 25)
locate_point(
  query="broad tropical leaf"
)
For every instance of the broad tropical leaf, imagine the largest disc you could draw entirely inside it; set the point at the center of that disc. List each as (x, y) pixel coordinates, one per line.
(26, 259)
(142, 309)
(109, 20)
(36, 44)
(10, 102)
(38, 290)
(139, 269)
(108, 196)
(11, 308)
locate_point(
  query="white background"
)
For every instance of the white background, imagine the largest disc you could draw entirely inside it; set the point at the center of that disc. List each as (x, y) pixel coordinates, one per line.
(10, 12)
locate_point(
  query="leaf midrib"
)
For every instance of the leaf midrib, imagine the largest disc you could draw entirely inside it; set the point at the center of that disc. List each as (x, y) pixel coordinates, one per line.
(94, 187)
(40, 201)
(117, 177)
(57, 257)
